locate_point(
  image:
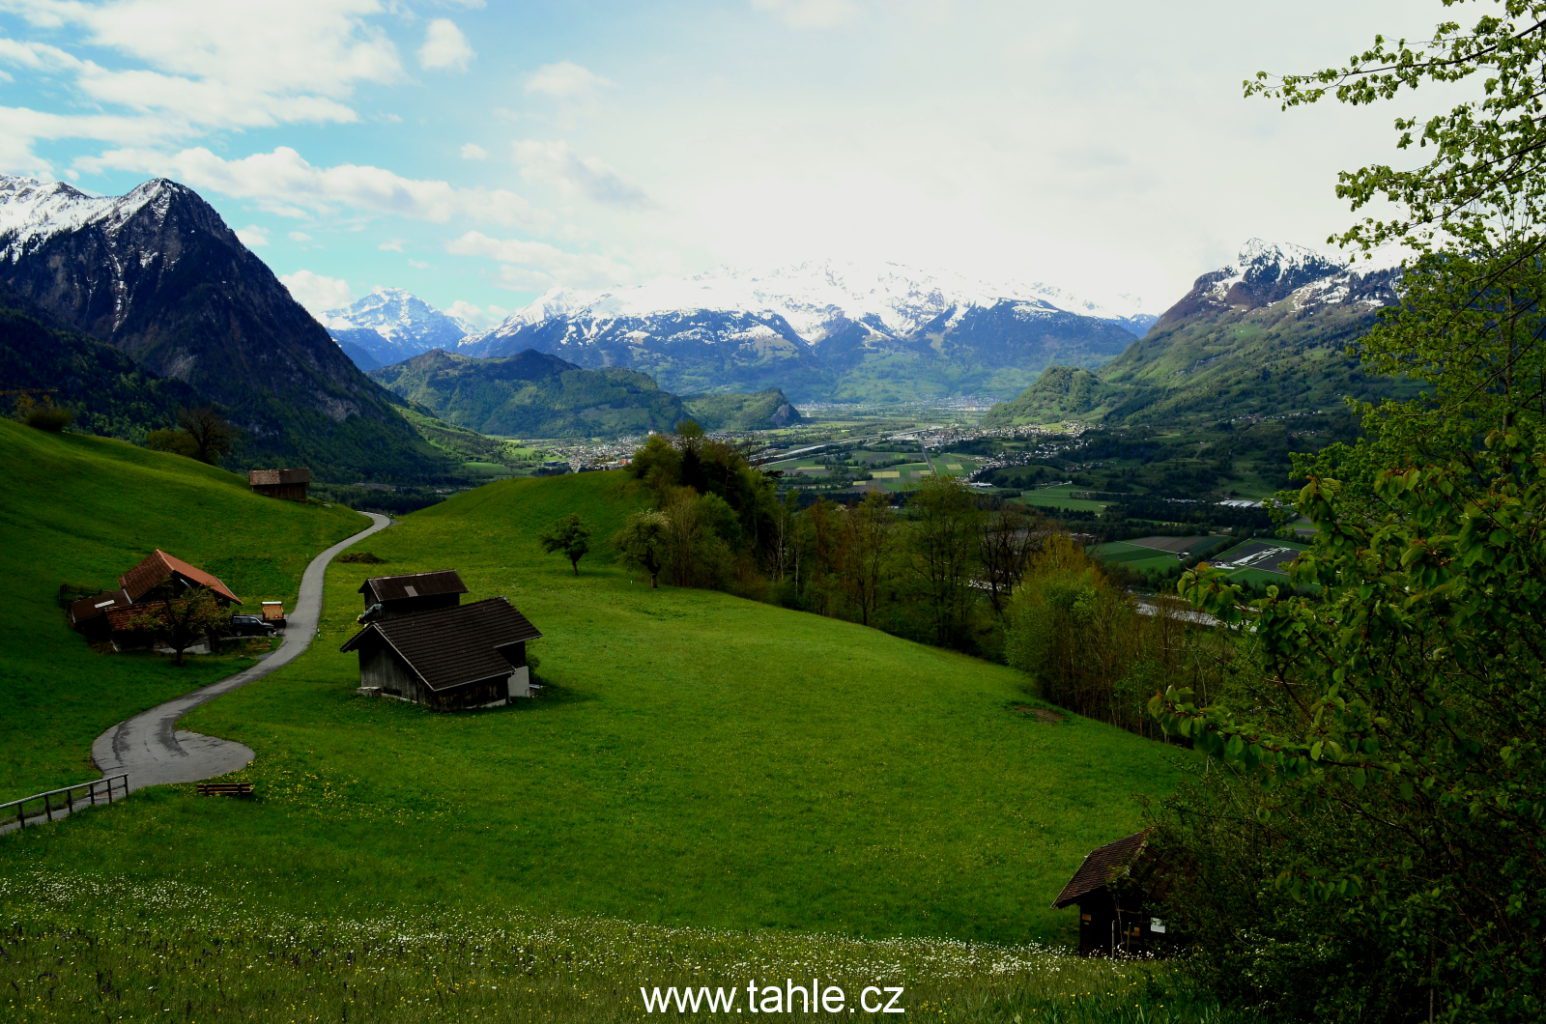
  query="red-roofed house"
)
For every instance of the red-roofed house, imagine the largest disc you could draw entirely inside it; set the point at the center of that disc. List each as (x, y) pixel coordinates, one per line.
(162, 575)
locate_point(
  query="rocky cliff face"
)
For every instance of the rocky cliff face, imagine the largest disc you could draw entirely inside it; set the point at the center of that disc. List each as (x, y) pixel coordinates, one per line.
(159, 276)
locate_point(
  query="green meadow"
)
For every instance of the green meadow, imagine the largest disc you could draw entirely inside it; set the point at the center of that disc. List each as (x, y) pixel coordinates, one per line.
(707, 786)
(82, 510)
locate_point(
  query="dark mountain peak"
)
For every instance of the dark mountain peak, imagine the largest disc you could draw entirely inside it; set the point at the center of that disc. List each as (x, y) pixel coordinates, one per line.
(157, 274)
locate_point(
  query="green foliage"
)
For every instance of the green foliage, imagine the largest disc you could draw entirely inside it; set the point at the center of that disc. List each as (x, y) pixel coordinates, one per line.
(643, 543)
(533, 395)
(570, 537)
(757, 411)
(1385, 730)
(43, 414)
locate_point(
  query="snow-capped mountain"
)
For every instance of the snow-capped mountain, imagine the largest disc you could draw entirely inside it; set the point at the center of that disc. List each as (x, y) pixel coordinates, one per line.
(159, 276)
(1264, 273)
(822, 331)
(390, 325)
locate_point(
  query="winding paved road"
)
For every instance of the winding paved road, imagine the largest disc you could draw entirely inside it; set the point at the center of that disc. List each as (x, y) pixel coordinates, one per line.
(149, 747)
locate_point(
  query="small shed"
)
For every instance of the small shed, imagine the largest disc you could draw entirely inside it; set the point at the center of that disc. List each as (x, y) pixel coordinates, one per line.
(288, 484)
(449, 659)
(1113, 890)
(390, 596)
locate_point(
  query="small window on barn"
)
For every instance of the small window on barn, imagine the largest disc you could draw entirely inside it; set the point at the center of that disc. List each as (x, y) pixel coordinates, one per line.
(408, 589)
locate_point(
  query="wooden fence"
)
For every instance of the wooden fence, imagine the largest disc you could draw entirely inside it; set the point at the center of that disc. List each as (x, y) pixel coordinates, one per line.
(30, 810)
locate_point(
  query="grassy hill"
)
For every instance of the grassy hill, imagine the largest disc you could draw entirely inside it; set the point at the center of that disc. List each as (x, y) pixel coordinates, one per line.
(703, 767)
(81, 510)
(533, 395)
(762, 410)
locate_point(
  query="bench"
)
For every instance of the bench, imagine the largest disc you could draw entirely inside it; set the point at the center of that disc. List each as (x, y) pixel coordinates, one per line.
(225, 789)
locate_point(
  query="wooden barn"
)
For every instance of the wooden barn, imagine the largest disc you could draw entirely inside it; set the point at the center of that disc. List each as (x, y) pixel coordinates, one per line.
(1113, 889)
(391, 596)
(162, 575)
(157, 578)
(450, 658)
(288, 484)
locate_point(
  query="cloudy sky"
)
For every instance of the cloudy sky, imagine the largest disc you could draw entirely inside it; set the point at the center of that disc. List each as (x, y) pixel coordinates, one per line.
(478, 155)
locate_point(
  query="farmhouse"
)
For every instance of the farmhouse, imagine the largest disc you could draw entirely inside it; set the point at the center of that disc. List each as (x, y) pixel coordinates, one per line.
(448, 658)
(289, 484)
(1112, 889)
(391, 596)
(158, 578)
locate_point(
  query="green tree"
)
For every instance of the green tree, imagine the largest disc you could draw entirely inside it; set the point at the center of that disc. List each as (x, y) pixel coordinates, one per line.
(213, 435)
(1384, 796)
(642, 542)
(866, 544)
(944, 540)
(569, 537)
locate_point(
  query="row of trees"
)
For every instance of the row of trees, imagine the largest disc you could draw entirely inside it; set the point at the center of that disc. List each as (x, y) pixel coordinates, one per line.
(949, 567)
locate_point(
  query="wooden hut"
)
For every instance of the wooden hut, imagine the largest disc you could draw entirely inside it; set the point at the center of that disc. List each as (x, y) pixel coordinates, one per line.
(1113, 890)
(288, 484)
(390, 596)
(449, 658)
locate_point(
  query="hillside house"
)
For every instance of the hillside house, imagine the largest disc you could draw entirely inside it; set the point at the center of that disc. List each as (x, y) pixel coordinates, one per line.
(159, 577)
(391, 596)
(287, 484)
(1113, 889)
(448, 658)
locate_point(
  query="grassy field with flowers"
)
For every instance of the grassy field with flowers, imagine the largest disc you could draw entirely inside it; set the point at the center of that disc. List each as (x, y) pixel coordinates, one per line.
(169, 952)
(80, 511)
(708, 786)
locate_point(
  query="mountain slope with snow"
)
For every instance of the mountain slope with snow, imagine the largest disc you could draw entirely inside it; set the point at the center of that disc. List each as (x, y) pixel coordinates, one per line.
(390, 325)
(157, 275)
(823, 331)
(1266, 335)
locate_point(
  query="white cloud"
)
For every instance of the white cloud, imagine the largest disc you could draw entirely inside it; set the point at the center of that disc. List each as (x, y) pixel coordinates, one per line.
(445, 47)
(284, 182)
(526, 265)
(564, 80)
(476, 316)
(393, 245)
(473, 151)
(252, 236)
(299, 236)
(419, 264)
(811, 13)
(317, 292)
(222, 62)
(555, 163)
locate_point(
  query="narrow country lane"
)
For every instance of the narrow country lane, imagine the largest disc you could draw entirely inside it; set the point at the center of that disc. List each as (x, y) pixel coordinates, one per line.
(151, 750)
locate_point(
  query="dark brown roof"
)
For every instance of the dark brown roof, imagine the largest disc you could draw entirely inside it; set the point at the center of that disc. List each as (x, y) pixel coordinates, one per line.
(274, 477)
(1102, 867)
(449, 647)
(160, 567)
(87, 608)
(419, 584)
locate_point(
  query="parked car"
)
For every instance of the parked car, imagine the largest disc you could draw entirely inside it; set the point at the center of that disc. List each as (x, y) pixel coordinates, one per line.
(250, 625)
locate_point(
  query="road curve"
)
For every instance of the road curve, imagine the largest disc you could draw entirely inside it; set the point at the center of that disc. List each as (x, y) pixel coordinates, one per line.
(152, 751)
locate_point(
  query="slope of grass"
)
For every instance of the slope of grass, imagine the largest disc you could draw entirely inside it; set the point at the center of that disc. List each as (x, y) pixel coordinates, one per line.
(81, 510)
(741, 783)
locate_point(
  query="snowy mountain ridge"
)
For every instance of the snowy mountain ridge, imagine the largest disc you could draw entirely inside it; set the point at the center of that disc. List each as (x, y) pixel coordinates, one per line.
(32, 211)
(810, 297)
